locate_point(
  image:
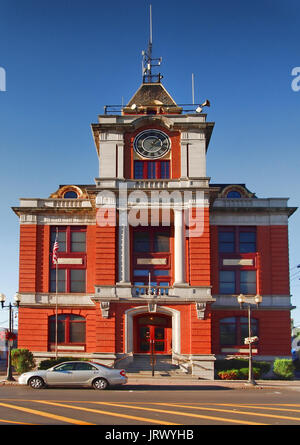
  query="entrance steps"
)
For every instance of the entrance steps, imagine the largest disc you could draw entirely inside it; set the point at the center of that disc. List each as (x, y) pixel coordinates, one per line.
(141, 366)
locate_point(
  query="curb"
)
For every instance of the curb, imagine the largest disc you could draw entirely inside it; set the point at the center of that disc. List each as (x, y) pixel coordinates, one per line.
(192, 381)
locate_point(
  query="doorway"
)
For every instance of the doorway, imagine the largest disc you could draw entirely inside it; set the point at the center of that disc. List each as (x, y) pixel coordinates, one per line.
(153, 334)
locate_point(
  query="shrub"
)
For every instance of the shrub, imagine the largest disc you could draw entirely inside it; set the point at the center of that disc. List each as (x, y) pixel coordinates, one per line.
(284, 368)
(22, 360)
(238, 374)
(46, 364)
(230, 374)
(238, 363)
(244, 373)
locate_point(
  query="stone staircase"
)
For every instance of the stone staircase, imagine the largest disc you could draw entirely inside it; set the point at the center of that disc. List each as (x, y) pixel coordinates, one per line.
(141, 366)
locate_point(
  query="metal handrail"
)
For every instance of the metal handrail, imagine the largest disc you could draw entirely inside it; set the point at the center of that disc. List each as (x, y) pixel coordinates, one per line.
(117, 109)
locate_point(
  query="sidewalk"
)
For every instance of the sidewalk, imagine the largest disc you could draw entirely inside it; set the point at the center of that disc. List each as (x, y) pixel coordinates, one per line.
(187, 380)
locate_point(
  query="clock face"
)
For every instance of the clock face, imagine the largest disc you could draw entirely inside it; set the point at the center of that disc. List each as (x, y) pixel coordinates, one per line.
(152, 144)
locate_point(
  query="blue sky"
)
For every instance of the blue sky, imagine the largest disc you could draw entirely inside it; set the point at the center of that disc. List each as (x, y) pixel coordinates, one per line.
(65, 60)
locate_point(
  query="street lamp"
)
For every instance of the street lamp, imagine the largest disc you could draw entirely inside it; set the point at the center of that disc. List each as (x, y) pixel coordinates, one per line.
(10, 334)
(253, 299)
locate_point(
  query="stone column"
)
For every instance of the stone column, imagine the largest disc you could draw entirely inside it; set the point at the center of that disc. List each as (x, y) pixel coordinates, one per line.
(179, 250)
(124, 249)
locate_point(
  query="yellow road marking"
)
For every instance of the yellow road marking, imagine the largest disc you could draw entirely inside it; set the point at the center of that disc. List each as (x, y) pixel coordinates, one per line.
(230, 411)
(16, 422)
(108, 413)
(266, 407)
(44, 414)
(261, 407)
(180, 413)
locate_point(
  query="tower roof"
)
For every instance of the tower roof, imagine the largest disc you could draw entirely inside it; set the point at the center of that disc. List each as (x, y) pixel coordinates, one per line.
(152, 95)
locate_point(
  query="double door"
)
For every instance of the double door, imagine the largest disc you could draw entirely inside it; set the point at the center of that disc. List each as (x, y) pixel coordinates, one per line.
(153, 334)
(152, 339)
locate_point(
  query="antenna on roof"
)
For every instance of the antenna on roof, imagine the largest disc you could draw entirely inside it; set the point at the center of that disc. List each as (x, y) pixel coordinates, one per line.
(150, 38)
(148, 61)
(193, 89)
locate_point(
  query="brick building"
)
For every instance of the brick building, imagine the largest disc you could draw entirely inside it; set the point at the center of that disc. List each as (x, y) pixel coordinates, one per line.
(153, 255)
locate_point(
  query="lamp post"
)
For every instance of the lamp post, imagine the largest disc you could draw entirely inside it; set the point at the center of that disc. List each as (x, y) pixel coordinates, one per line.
(249, 300)
(10, 334)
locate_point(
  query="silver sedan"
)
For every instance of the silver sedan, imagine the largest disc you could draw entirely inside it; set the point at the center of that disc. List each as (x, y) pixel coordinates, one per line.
(77, 373)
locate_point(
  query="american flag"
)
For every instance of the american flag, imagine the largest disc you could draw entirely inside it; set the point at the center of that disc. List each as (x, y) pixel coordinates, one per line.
(55, 250)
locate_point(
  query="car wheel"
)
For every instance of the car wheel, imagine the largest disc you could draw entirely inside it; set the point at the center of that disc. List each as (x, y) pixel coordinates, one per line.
(36, 382)
(100, 384)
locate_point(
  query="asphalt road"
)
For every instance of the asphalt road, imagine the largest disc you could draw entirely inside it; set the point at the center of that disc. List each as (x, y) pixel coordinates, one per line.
(143, 407)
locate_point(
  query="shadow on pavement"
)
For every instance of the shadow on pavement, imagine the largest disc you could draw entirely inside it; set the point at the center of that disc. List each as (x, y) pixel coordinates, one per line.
(145, 387)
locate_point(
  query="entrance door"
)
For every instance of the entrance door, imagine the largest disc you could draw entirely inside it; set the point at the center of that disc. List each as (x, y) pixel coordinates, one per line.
(153, 332)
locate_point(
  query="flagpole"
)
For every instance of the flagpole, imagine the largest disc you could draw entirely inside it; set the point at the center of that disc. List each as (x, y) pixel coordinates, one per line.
(56, 290)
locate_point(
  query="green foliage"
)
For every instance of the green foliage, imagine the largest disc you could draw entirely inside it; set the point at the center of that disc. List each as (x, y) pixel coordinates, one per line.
(238, 363)
(22, 360)
(46, 364)
(244, 373)
(238, 374)
(284, 368)
(230, 374)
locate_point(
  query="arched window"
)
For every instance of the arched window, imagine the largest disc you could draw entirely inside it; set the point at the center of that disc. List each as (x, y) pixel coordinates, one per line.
(233, 330)
(233, 194)
(70, 329)
(70, 195)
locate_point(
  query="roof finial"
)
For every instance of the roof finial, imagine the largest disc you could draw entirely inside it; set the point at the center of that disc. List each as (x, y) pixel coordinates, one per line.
(148, 60)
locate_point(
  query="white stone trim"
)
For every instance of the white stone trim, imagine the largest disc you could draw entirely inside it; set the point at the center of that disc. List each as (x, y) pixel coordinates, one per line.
(179, 250)
(131, 313)
(246, 219)
(54, 203)
(49, 299)
(268, 301)
(124, 251)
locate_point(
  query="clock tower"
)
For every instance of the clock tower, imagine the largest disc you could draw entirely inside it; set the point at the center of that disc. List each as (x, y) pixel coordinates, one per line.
(152, 202)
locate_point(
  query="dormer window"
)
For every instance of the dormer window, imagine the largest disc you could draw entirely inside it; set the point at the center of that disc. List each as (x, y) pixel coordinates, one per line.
(70, 194)
(233, 194)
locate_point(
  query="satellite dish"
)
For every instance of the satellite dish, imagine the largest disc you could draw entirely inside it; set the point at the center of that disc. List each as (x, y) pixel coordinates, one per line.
(133, 106)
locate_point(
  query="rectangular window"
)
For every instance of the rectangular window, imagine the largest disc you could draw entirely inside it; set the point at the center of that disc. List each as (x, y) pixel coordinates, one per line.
(152, 169)
(69, 280)
(77, 280)
(227, 282)
(165, 169)
(234, 330)
(226, 242)
(237, 240)
(248, 282)
(237, 282)
(228, 331)
(247, 242)
(78, 241)
(161, 242)
(141, 242)
(72, 259)
(138, 169)
(61, 280)
(61, 238)
(77, 333)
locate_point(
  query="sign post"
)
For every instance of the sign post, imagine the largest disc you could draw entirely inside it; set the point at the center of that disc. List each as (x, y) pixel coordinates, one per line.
(247, 299)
